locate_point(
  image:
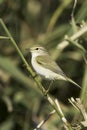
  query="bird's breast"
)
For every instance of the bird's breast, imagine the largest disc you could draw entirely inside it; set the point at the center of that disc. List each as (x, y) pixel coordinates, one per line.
(44, 72)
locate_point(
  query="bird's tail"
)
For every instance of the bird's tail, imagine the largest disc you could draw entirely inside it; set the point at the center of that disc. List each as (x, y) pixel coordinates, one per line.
(71, 81)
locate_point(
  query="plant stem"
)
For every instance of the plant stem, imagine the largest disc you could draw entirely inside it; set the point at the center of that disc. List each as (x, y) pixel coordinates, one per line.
(50, 100)
(74, 37)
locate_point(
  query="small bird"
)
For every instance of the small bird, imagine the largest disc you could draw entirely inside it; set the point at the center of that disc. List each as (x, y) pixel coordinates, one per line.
(45, 66)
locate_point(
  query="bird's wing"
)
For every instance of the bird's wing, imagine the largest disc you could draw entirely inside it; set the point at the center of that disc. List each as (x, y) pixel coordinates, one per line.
(52, 65)
(49, 64)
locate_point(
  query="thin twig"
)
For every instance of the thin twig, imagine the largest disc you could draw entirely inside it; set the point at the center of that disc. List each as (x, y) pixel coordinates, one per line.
(3, 37)
(74, 6)
(78, 105)
(63, 117)
(81, 108)
(74, 37)
(43, 122)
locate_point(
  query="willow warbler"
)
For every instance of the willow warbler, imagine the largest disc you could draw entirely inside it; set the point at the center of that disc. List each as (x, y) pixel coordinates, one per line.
(45, 66)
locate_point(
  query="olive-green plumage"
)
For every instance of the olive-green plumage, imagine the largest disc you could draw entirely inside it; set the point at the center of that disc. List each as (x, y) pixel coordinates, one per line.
(46, 67)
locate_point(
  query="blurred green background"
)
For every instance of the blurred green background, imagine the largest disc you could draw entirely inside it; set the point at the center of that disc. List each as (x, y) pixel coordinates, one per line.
(45, 22)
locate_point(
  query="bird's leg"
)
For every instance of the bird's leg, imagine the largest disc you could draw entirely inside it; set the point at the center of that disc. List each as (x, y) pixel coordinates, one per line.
(49, 87)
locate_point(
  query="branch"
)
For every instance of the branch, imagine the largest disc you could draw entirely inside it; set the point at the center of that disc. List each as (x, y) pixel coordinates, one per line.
(78, 105)
(74, 37)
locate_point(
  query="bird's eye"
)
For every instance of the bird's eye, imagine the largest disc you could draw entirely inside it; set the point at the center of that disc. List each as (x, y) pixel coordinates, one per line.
(37, 48)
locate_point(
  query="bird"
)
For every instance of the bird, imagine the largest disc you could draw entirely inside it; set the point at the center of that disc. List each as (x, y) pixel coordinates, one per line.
(46, 67)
